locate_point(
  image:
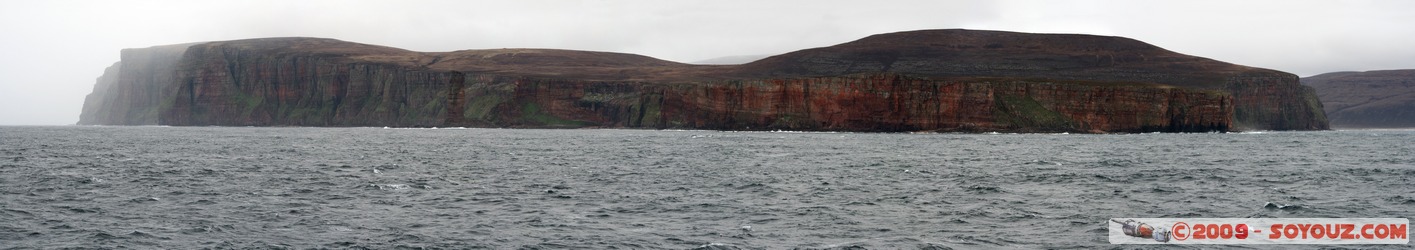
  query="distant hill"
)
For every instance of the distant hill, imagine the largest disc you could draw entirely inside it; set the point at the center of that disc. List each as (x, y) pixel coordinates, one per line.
(1371, 99)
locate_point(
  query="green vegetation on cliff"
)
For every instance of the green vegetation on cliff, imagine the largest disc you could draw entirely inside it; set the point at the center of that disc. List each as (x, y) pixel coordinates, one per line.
(1021, 112)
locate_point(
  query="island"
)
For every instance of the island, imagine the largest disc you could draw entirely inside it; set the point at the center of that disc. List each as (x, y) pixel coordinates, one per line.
(950, 80)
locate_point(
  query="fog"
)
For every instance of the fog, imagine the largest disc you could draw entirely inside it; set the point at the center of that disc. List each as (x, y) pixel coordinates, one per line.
(52, 51)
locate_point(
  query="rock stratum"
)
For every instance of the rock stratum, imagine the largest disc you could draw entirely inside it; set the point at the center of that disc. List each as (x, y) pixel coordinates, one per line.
(930, 80)
(1371, 99)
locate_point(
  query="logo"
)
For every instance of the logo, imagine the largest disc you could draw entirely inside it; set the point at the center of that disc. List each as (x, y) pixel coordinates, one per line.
(1259, 230)
(1138, 229)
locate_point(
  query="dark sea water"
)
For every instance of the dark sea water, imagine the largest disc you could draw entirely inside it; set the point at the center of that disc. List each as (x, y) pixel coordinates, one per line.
(208, 187)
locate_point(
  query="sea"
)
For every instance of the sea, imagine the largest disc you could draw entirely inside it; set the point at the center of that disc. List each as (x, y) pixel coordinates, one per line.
(472, 188)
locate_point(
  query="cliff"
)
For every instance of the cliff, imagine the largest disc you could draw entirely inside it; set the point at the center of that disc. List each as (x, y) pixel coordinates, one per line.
(934, 80)
(1371, 99)
(128, 92)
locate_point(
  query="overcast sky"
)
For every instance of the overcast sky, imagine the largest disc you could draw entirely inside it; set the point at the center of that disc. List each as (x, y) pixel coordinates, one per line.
(51, 52)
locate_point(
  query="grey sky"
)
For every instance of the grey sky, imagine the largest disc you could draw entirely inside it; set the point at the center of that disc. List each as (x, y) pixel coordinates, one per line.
(52, 51)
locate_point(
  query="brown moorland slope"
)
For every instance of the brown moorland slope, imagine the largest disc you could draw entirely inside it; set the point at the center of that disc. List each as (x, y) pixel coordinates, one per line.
(973, 53)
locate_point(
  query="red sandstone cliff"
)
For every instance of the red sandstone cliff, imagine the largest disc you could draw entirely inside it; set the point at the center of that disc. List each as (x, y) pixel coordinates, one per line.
(936, 80)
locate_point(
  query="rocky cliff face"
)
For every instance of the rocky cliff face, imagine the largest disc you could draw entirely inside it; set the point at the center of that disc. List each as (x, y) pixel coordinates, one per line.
(888, 102)
(1371, 99)
(939, 80)
(303, 82)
